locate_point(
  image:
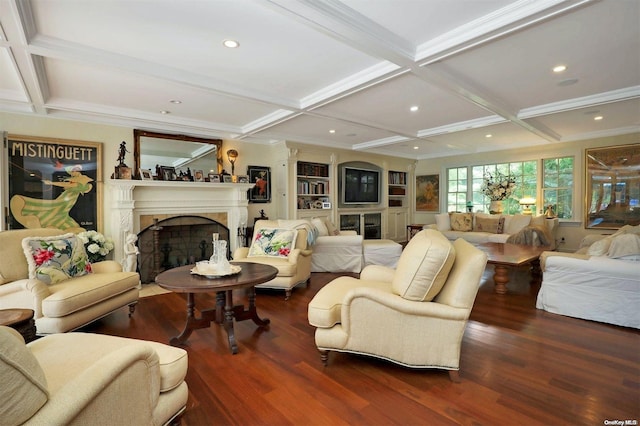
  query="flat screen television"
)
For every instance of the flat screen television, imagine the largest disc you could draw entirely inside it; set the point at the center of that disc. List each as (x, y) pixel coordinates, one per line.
(360, 186)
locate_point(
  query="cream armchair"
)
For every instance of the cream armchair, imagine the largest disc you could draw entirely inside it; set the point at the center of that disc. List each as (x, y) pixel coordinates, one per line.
(90, 379)
(294, 265)
(414, 315)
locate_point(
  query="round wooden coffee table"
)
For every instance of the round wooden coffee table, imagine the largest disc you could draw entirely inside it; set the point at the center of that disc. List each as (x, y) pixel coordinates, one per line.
(181, 280)
(21, 320)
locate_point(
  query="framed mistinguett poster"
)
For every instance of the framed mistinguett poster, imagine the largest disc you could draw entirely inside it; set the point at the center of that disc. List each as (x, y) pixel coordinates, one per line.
(54, 183)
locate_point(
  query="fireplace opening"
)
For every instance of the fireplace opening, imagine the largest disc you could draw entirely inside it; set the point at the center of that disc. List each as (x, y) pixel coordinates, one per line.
(177, 241)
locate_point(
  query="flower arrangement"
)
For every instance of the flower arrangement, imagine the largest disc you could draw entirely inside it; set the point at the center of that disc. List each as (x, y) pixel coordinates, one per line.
(497, 186)
(96, 245)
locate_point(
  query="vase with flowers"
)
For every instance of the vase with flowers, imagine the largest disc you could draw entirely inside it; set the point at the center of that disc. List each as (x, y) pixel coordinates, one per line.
(96, 245)
(498, 187)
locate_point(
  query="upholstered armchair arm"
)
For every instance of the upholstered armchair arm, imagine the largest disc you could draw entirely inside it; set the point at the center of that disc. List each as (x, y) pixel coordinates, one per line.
(240, 253)
(106, 267)
(123, 387)
(377, 273)
(27, 294)
(430, 226)
(295, 254)
(368, 298)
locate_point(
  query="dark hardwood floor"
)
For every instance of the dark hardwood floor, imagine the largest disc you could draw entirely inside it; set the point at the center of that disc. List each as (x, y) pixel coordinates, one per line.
(519, 366)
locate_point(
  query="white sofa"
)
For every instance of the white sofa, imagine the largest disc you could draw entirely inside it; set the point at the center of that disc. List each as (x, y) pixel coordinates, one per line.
(478, 228)
(334, 250)
(601, 282)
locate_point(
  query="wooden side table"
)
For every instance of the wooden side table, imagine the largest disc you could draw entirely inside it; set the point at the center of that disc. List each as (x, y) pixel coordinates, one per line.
(20, 320)
(413, 229)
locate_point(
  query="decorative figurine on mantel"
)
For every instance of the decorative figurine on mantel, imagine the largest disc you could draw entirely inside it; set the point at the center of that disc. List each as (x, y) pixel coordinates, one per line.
(122, 170)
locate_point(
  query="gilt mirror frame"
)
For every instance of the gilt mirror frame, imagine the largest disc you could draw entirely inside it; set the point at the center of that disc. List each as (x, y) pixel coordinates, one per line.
(612, 186)
(138, 134)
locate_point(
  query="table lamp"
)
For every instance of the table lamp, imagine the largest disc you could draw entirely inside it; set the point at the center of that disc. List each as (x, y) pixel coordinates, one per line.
(527, 202)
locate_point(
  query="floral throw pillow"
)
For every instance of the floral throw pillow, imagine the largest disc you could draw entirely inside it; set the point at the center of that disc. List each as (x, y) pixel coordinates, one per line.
(273, 242)
(55, 259)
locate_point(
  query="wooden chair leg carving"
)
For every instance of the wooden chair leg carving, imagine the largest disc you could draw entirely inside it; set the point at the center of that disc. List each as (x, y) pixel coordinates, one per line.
(132, 308)
(324, 357)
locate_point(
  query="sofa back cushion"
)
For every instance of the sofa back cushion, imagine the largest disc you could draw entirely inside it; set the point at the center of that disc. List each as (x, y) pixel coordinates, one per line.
(321, 226)
(14, 263)
(24, 385)
(443, 222)
(423, 266)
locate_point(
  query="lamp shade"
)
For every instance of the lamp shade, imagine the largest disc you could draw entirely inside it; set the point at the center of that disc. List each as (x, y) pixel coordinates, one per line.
(527, 201)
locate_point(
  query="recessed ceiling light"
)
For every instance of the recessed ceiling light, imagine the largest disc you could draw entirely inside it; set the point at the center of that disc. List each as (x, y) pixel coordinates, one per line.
(416, 147)
(332, 131)
(164, 111)
(559, 68)
(414, 108)
(488, 135)
(175, 101)
(598, 117)
(231, 44)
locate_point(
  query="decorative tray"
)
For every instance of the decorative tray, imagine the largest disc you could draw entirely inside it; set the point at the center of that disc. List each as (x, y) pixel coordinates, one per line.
(212, 274)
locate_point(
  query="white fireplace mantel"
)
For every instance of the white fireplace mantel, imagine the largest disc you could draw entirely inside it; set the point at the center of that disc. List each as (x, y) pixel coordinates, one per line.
(131, 199)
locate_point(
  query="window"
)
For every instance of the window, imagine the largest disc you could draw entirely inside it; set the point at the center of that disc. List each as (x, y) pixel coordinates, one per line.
(457, 189)
(525, 173)
(557, 186)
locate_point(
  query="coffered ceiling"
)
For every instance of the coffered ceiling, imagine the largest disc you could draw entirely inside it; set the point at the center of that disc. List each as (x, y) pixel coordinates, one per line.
(334, 73)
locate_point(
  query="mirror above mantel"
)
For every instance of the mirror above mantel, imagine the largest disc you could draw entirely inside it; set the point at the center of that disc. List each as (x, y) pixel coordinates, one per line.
(153, 149)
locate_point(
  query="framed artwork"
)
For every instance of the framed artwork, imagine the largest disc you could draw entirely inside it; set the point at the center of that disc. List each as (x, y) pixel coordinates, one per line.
(227, 178)
(261, 177)
(168, 173)
(613, 186)
(243, 179)
(198, 176)
(54, 183)
(145, 174)
(214, 177)
(427, 193)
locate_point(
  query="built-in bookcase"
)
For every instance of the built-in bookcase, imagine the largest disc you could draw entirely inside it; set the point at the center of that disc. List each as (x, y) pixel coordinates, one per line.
(397, 189)
(313, 189)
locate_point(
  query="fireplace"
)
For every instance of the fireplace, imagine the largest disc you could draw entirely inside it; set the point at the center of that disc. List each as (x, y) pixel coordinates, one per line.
(214, 206)
(177, 241)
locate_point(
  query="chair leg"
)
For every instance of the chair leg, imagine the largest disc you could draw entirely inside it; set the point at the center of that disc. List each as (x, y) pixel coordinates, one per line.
(132, 308)
(454, 376)
(287, 294)
(324, 357)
